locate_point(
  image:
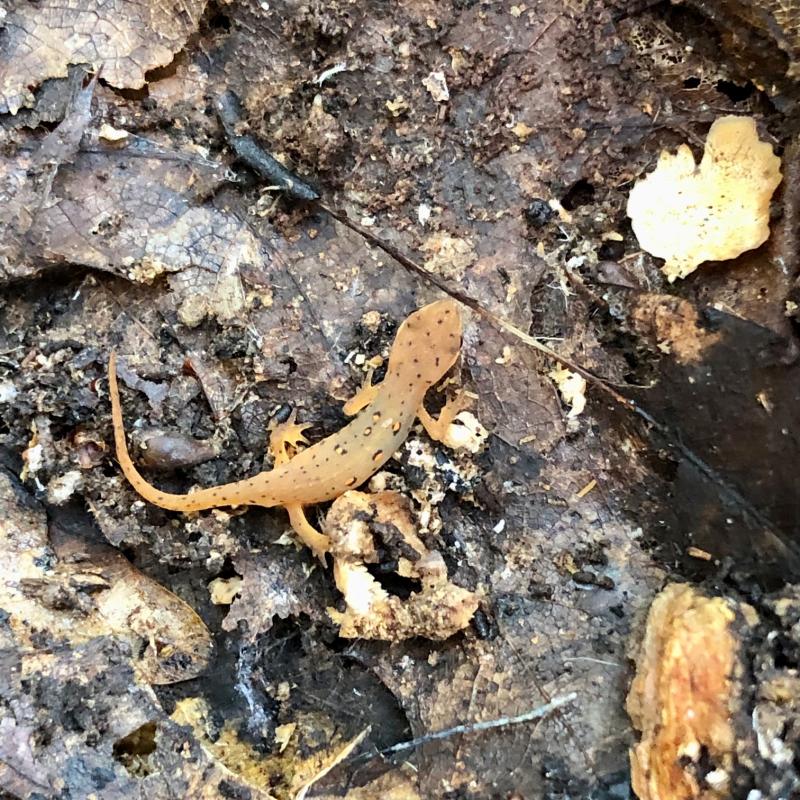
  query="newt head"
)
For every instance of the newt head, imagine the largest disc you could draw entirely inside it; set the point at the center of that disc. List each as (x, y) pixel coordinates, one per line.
(427, 343)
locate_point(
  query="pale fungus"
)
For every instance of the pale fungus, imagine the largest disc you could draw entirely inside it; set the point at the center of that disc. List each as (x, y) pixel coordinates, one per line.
(687, 213)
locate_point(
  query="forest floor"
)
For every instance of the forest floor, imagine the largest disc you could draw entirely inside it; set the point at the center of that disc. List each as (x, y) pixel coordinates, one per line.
(494, 144)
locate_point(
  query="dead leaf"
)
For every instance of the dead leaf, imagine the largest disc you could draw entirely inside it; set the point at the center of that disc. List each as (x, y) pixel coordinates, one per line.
(290, 772)
(134, 219)
(274, 584)
(61, 144)
(330, 763)
(397, 784)
(172, 642)
(91, 590)
(126, 37)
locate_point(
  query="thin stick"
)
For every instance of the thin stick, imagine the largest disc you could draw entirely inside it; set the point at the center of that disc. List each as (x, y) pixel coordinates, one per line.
(501, 722)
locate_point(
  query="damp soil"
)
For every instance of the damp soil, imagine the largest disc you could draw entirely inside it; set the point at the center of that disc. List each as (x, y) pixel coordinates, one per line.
(230, 303)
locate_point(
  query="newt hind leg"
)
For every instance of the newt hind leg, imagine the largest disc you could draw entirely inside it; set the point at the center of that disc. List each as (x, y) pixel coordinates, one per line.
(284, 439)
(437, 428)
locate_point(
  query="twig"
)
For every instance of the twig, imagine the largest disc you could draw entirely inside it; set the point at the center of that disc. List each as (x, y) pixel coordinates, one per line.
(474, 727)
(142, 147)
(256, 157)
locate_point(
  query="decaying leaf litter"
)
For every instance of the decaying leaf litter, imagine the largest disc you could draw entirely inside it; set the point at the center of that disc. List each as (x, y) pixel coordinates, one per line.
(446, 132)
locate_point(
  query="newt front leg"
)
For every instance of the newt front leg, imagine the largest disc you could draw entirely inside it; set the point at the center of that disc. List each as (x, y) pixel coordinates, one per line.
(437, 428)
(362, 398)
(283, 441)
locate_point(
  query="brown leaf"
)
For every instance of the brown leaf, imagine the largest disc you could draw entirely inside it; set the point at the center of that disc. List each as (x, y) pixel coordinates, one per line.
(92, 591)
(275, 583)
(126, 38)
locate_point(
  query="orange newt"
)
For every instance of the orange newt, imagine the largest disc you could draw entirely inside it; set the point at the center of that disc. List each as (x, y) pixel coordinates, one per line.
(426, 346)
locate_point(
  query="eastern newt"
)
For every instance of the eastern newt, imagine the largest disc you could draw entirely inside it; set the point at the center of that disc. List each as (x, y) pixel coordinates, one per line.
(426, 346)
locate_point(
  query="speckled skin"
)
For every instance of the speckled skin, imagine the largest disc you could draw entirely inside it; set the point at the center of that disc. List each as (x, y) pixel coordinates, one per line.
(425, 348)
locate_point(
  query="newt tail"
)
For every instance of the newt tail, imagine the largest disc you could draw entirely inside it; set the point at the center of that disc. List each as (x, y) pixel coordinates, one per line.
(194, 501)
